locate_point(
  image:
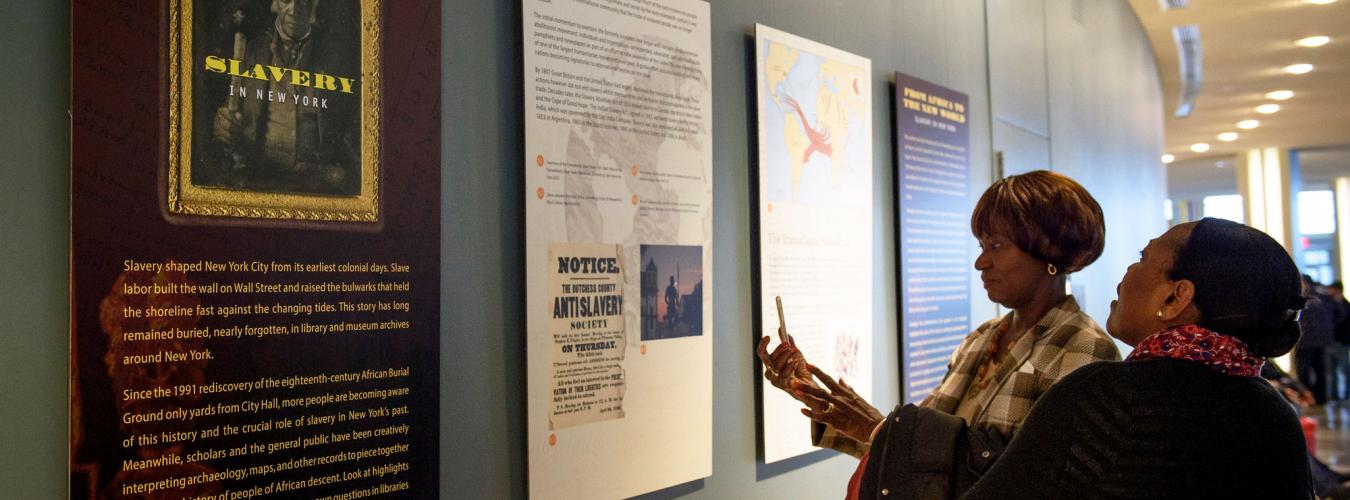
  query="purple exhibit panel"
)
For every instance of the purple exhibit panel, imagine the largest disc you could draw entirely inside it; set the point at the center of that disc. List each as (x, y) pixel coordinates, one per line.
(933, 210)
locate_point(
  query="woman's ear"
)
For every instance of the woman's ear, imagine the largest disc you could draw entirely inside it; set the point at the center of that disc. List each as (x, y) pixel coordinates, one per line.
(1180, 301)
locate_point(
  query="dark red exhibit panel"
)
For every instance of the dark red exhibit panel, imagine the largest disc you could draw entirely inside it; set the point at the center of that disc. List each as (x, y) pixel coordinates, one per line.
(255, 248)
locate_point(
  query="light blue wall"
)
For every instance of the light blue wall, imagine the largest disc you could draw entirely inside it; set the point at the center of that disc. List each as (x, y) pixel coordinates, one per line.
(1099, 112)
(1101, 72)
(34, 226)
(1079, 94)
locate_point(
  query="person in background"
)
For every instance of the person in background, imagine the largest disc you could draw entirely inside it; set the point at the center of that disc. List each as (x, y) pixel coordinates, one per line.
(1337, 292)
(1186, 414)
(1334, 295)
(1033, 229)
(1318, 357)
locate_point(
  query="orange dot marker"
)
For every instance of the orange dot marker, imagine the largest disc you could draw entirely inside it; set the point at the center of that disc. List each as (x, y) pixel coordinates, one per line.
(644, 349)
(539, 160)
(771, 208)
(634, 169)
(553, 440)
(540, 193)
(635, 199)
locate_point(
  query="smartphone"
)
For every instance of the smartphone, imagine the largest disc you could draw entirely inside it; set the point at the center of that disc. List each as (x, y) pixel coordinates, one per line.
(782, 325)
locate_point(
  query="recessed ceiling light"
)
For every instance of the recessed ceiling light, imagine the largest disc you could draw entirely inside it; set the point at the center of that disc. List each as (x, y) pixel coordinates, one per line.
(1168, 158)
(1266, 109)
(1279, 95)
(1298, 69)
(1200, 147)
(1248, 124)
(1319, 2)
(1313, 41)
(1228, 136)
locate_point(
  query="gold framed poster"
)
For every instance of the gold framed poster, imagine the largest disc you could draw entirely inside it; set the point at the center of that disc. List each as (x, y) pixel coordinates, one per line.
(274, 109)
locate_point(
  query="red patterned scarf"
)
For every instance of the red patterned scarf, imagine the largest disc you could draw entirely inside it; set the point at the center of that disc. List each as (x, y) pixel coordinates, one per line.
(1221, 352)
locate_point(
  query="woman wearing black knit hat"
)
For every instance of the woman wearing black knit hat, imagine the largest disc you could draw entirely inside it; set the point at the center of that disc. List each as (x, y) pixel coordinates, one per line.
(1185, 415)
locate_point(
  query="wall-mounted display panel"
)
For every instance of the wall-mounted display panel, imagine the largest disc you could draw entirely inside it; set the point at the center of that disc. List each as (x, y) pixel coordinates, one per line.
(618, 230)
(933, 233)
(255, 249)
(814, 107)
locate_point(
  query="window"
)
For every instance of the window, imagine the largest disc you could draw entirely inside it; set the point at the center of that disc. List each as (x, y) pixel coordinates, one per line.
(1228, 206)
(1316, 212)
(1316, 258)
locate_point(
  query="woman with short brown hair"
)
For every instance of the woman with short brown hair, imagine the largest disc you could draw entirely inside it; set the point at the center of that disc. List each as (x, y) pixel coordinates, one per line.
(1056, 221)
(1033, 230)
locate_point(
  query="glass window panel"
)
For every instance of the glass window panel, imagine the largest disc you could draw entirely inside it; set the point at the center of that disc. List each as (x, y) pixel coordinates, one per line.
(1227, 206)
(1316, 212)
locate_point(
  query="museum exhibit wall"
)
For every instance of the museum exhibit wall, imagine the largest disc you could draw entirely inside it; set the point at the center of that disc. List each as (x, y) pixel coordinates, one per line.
(1101, 135)
(34, 231)
(1068, 83)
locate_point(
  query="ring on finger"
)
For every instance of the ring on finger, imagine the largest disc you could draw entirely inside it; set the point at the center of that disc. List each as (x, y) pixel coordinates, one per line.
(828, 409)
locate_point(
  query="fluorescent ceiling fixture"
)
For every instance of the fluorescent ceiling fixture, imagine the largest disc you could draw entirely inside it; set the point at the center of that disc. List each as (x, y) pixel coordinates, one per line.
(1313, 41)
(1200, 147)
(1228, 136)
(1319, 2)
(1266, 109)
(1168, 158)
(1248, 124)
(1279, 95)
(1298, 69)
(1174, 4)
(1190, 59)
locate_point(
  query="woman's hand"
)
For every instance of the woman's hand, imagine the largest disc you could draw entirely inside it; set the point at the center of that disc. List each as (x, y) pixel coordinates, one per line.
(841, 408)
(785, 368)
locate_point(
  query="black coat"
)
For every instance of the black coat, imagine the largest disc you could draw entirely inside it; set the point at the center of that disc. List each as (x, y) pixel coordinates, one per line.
(924, 454)
(1160, 428)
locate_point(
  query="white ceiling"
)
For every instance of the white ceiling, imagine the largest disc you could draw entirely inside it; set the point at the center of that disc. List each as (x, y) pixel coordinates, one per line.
(1245, 43)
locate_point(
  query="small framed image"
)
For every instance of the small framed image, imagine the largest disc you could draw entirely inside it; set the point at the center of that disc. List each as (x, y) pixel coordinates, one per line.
(672, 291)
(274, 110)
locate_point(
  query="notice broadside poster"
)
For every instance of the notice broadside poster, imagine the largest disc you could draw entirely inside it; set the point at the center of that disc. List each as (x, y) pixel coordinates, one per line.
(815, 214)
(586, 322)
(933, 210)
(251, 315)
(618, 205)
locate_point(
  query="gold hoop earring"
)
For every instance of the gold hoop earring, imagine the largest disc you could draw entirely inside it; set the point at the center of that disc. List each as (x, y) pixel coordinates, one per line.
(1160, 314)
(1051, 269)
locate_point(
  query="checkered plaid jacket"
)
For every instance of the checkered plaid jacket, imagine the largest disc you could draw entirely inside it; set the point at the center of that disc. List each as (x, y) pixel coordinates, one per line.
(1063, 340)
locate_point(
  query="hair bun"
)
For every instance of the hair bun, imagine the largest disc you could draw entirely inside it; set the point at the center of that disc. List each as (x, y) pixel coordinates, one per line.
(1275, 340)
(1246, 285)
